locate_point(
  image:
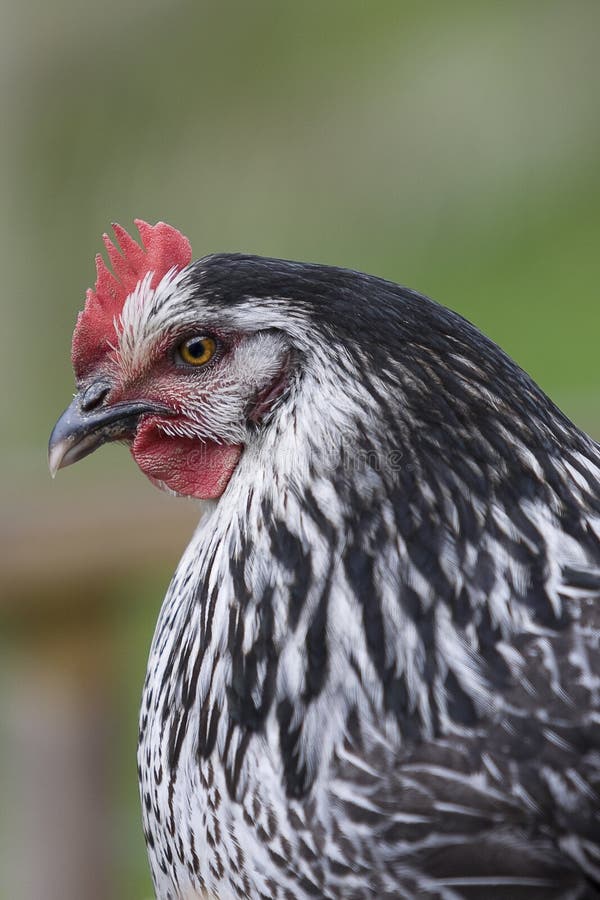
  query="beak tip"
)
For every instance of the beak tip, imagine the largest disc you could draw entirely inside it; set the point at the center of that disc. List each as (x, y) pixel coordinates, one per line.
(56, 453)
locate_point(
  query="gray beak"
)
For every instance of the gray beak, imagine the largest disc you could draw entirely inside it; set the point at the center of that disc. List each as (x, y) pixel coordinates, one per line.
(85, 425)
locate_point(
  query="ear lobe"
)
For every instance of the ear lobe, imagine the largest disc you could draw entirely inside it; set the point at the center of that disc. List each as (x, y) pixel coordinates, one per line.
(266, 398)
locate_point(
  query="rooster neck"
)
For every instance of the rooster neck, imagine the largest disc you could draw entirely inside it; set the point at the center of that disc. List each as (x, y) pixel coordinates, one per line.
(349, 566)
(241, 641)
(286, 613)
(329, 605)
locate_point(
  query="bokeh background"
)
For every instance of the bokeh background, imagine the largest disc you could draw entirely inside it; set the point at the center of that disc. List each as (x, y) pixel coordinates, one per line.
(454, 147)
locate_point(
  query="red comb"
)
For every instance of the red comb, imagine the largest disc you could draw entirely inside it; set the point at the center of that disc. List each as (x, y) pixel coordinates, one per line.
(162, 248)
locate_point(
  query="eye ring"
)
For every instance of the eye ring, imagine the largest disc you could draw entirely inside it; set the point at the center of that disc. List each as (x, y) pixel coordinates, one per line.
(197, 350)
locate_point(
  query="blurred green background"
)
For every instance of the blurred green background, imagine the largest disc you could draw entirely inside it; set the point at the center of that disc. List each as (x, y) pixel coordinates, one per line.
(454, 147)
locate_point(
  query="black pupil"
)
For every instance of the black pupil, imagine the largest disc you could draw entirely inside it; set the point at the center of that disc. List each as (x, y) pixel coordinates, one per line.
(197, 348)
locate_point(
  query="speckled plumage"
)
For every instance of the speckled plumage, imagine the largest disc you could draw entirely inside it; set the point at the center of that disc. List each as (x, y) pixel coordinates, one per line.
(376, 672)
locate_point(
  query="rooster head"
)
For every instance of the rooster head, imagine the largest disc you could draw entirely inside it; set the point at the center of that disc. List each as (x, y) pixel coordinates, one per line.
(159, 367)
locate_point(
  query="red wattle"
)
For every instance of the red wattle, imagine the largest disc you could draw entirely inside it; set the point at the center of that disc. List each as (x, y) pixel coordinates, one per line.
(187, 466)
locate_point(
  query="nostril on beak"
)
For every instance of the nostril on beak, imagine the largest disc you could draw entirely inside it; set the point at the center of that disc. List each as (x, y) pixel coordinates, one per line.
(94, 395)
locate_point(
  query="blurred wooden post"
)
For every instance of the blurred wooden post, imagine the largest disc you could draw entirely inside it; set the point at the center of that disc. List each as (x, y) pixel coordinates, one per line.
(61, 559)
(59, 726)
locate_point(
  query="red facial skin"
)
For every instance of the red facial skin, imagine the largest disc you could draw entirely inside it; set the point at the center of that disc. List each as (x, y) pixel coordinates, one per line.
(188, 466)
(193, 466)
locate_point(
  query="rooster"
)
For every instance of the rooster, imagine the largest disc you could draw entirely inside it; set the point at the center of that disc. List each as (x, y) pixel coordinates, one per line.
(376, 672)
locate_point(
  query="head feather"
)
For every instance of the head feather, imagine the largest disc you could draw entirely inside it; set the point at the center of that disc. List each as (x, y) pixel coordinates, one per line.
(161, 249)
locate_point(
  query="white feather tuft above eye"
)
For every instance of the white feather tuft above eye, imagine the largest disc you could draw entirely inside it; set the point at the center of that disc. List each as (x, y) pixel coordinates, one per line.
(146, 315)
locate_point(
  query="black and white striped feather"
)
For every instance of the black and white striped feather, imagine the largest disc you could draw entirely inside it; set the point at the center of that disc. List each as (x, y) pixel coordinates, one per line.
(376, 672)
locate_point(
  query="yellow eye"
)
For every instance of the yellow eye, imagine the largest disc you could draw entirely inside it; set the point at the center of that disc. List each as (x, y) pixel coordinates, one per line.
(197, 351)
